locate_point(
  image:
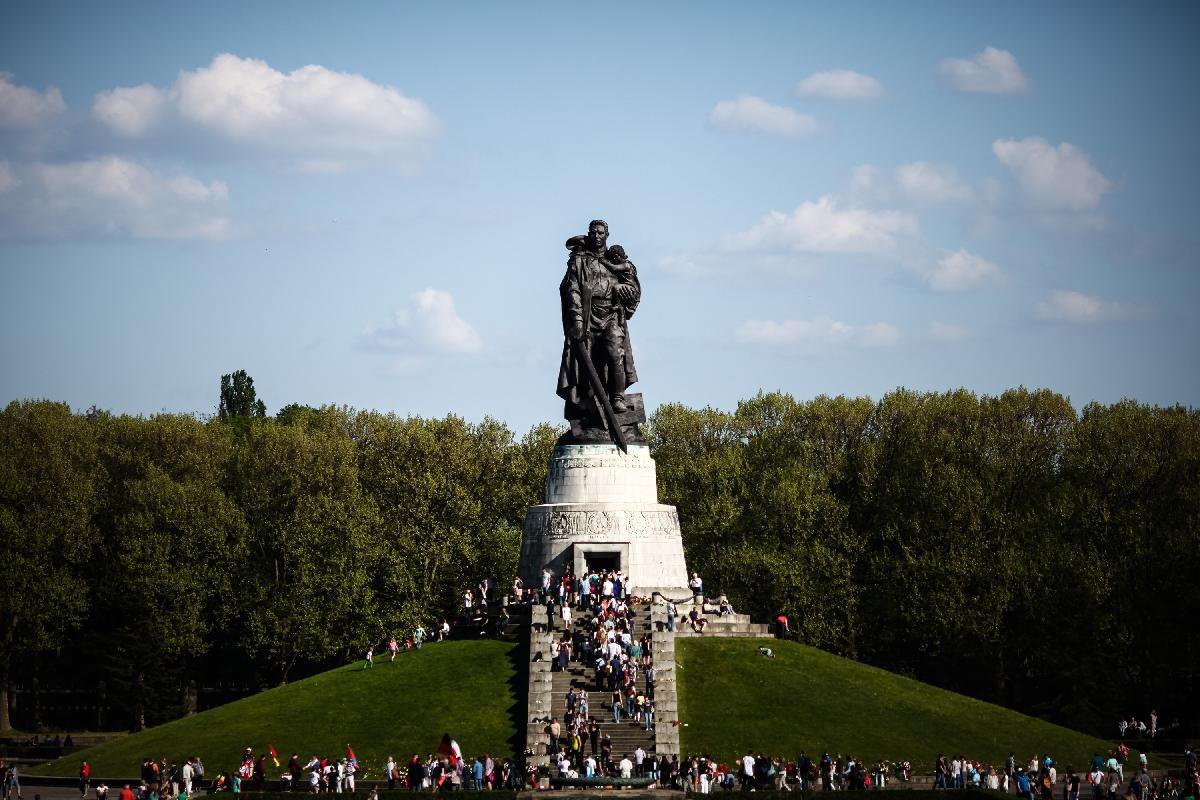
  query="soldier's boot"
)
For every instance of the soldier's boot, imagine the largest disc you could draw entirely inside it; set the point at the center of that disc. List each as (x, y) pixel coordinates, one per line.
(617, 393)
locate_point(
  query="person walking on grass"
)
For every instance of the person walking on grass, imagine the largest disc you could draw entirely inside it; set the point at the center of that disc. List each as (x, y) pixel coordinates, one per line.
(370, 662)
(393, 648)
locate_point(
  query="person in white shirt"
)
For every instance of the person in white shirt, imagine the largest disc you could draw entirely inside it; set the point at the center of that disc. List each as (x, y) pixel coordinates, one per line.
(639, 757)
(626, 767)
(187, 773)
(748, 770)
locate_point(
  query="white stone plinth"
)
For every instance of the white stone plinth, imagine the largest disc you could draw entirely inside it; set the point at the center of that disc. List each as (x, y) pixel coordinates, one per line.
(600, 473)
(600, 500)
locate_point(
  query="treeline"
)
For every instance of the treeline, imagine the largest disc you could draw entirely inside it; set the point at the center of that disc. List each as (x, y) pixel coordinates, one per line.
(1009, 547)
(144, 557)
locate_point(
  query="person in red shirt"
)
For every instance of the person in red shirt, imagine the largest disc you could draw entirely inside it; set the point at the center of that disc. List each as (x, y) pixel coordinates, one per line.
(127, 793)
(85, 780)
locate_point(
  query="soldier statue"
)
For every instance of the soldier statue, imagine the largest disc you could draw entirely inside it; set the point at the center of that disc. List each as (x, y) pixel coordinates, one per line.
(599, 293)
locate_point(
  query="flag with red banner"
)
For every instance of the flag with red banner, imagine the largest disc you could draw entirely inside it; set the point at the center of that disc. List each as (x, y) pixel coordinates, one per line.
(274, 755)
(450, 748)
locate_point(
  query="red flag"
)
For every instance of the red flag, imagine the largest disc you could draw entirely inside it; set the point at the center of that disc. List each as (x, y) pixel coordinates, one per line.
(350, 753)
(274, 755)
(449, 747)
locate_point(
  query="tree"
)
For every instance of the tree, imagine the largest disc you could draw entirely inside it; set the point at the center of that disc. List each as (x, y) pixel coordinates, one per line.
(238, 398)
(47, 477)
(306, 576)
(162, 577)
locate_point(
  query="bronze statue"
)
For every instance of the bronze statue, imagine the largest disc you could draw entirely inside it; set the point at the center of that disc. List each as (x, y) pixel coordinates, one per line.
(599, 293)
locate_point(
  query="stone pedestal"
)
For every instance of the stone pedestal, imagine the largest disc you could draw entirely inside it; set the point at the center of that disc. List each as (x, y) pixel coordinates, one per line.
(602, 507)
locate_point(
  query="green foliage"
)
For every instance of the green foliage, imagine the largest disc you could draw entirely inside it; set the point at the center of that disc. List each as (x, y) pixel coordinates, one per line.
(238, 398)
(1007, 547)
(161, 573)
(47, 494)
(307, 575)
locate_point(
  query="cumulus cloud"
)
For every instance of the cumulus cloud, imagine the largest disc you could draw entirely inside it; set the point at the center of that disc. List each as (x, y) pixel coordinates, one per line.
(840, 84)
(990, 71)
(749, 113)
(1083, 309)
(22, 108)
(947, 332)
(1055, 178)
(428, 325)
(960, 270)
(313, 112)
(824, 226)
(928, 183)
(8, 179)
(817, 333)
(131, 110)
(110, 196)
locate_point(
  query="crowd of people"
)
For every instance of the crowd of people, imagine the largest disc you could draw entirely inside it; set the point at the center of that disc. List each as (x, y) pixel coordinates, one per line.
(1115, 777)
(604, 636)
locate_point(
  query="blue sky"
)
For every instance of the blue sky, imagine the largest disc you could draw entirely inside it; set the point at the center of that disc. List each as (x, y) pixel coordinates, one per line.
(366, 204)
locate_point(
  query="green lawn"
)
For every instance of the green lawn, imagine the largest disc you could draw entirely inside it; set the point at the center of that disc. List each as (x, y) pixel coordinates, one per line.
(468, 689)
(733, 698)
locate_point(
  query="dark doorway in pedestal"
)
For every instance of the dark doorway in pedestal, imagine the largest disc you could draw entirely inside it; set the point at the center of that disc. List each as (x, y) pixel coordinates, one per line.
(602, 562)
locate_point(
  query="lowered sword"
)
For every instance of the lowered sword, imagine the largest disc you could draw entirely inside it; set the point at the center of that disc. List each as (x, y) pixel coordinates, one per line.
(601, 395)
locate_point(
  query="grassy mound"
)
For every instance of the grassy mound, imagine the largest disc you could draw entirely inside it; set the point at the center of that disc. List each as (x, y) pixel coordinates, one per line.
(733, 698)
(468, 689)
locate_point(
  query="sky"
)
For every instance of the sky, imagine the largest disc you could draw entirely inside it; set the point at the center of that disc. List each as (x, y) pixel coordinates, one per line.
(365, 204)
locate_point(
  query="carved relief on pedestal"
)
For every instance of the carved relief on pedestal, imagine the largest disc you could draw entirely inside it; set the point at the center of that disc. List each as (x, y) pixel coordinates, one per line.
(548, 524)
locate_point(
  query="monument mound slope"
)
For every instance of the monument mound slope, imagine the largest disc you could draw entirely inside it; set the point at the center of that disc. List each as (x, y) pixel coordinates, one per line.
(463, 688)
(734, 698)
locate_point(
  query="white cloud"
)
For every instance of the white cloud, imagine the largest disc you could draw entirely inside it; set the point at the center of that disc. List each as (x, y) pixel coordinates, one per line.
(1055, 178)
(8, 179)
(959, 270)
(1082, 309)
(840, 84)
(817, 333)
(751, 113)
(111, 196)
(824, 227)
(323, 116)
(990, 71)
(947, 332)
(131, 110)
(928, 183)
(428, 325)
(22, 108)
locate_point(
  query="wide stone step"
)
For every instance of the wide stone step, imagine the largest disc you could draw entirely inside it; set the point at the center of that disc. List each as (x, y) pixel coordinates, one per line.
(731, 631)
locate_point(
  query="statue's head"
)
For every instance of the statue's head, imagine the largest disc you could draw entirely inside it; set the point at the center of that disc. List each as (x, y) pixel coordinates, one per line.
(617, 253)
(597, 235)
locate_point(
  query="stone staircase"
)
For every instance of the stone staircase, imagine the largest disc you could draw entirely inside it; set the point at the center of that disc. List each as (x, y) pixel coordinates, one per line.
(548, 689)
